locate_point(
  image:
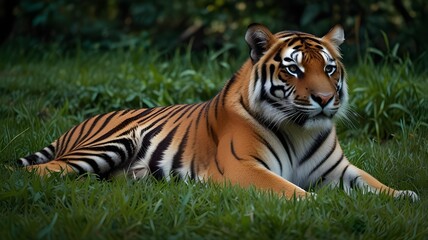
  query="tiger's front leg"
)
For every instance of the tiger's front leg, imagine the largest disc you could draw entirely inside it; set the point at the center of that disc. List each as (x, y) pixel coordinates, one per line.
(247, 173)
(355, 178)
(235, 163)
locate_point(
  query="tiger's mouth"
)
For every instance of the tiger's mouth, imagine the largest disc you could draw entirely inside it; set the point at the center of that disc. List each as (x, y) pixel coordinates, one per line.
(302, 118)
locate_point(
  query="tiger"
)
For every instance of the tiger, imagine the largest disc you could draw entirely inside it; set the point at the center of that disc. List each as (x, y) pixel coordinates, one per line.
(271, 127)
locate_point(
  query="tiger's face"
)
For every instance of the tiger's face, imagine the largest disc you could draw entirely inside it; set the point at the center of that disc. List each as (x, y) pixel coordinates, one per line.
(297, 77)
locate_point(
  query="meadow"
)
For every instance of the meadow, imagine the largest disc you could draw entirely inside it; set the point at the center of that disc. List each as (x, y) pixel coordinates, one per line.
(45, 91)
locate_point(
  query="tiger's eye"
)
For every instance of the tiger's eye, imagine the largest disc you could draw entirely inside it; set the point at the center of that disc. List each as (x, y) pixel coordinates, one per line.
(293, 69)
(330, 69)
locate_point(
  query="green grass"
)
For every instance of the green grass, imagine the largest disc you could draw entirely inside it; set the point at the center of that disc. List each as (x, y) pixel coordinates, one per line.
(45, 92)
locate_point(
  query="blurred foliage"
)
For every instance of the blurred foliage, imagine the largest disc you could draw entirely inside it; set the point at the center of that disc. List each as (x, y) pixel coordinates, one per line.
(168, 24)
(385, 98)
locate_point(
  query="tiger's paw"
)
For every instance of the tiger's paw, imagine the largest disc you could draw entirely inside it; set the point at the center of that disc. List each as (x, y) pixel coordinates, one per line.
(407, 194)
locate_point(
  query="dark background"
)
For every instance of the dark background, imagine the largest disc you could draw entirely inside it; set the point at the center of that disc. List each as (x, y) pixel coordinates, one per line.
(388, 28)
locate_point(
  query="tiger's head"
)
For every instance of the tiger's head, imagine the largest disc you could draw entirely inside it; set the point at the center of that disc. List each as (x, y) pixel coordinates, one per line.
(296, 77)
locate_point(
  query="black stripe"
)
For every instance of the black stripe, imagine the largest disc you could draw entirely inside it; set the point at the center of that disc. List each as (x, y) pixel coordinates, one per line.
(206, 113)
(150, 113)
(213, 135)
(342, 175)
(332, 167)
(80, 134)
(196, 106)
(318, 142)
(289, 90)
(287, 34)
(107, 120)
(280, 76)
(257, 118)
(65, 140)
(120, 126)
(353, 182)
(101, 149)
(32, 159)
(176, 110)
(46, 154)
(216, 101)
(278, 57)
(293, 40)
(136, 110)
(208, 126)
(267, 144)
(264, 74)
(256, 79)
(158, 154)
(60, 142)
(192, 168)
(128, 144)
(286, 143)
(241, 101)
(90, 133)
(324, 159)
(287, 59)
(79, 169)
(92, 163)
(176, 160)
(125, 112)
(221, 171)
(297, 47)
(261, 162)
(96, 120)
(263, 93)
(311, 39)
(207, 108)
(52, 148)
(186, 110)
(232, 148)
(147, 140)
(198, 119)
(227, 88)
(108, 159)
(274, 87)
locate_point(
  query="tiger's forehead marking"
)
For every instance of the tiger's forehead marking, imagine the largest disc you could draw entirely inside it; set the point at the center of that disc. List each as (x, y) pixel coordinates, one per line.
(328, 58)
(293, 57)
(293, 54)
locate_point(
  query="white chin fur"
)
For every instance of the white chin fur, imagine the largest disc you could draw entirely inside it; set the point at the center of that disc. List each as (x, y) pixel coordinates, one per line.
(318, 123)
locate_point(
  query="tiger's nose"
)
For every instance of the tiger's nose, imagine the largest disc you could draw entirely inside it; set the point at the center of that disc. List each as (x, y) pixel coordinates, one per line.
(322, 98)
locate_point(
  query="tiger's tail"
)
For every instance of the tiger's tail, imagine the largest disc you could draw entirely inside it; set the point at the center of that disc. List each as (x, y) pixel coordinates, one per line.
(43, 156)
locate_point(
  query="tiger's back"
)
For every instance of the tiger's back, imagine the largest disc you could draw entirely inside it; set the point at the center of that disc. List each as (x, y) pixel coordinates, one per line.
(115, 140)
(271, 126)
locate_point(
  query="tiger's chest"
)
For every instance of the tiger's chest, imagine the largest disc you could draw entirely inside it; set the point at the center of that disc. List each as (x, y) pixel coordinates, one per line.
(303, 158)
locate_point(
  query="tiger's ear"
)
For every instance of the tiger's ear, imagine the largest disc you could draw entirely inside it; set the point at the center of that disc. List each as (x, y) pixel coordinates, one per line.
(259, 39)
(336, 36)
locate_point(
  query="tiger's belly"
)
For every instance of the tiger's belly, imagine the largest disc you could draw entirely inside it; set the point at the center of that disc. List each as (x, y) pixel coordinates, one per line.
(171, 152)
